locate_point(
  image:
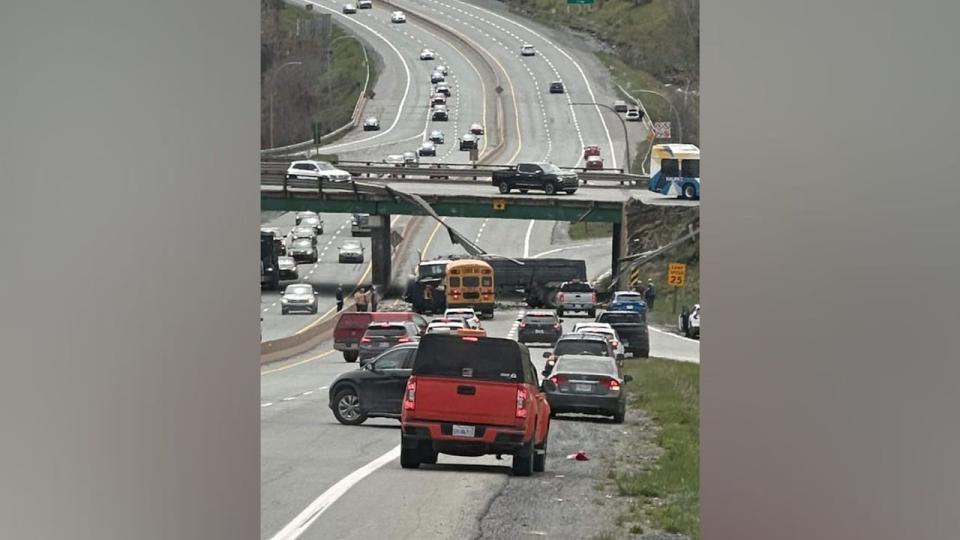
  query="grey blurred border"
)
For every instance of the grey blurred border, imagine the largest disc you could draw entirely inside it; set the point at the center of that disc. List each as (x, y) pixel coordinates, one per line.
(831, 254)
(128, 167)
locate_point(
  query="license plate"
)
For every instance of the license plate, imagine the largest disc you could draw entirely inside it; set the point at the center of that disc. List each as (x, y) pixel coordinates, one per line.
(538, 331)
(464, 431)
(583, 387)
(381, 344)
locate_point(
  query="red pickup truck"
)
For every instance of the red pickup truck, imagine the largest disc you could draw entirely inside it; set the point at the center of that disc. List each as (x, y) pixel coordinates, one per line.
(474, 396)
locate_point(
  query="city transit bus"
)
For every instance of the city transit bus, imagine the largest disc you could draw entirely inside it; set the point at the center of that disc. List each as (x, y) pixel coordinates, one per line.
(469, 283)
(675, 170)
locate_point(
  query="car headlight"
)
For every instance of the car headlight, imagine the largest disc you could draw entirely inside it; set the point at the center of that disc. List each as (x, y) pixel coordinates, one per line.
(283, 300)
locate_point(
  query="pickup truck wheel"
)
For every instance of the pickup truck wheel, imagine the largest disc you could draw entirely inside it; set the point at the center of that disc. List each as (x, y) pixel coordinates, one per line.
(346, 408)
(409, 457)
(549, 189)
(540, 457)
(504, 187)
(524, 190)
(572, 191)
(428, 456)
(592, 313)
(522, 461)
(559, 312)
(350, 356)
(645, 353)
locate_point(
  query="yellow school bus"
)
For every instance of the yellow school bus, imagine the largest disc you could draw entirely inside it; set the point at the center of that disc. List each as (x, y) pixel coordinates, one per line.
(469, 283)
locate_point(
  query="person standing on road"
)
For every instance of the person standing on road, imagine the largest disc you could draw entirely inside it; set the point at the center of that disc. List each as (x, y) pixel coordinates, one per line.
(650, 294)
(360, 300)
(373, 298)
(339, 298)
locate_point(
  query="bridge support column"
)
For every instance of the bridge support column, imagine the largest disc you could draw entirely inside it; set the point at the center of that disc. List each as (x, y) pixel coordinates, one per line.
(616, 252)
(380, 251)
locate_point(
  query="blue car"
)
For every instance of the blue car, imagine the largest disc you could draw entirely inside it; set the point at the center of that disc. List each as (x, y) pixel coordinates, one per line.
(627, 301)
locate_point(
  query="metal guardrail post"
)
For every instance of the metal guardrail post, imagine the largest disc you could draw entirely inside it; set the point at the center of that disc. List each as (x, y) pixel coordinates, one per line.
(285, 179)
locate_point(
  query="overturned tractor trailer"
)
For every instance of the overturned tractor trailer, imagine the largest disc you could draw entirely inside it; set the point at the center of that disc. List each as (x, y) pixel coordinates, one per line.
(534, 280)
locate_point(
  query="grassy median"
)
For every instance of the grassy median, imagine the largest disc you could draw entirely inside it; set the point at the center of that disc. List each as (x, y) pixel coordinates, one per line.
(665, 495)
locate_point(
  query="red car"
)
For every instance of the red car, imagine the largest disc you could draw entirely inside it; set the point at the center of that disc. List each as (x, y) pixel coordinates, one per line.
(591, 150)
(474, 396)
(353, 324)
(594, 162)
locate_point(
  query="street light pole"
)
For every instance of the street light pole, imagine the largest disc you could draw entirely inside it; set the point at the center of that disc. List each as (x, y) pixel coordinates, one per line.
(672, 108)
(626, 135)
(273, 79)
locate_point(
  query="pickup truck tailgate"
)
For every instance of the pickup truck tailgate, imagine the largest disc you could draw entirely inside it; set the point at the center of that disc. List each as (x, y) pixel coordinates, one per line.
(465, 400)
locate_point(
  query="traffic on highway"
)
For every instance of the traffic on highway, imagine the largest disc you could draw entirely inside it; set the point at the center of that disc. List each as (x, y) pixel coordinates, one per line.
(425, 362)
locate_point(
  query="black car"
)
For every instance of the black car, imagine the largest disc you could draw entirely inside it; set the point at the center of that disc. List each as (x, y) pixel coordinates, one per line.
(440, 114)
(311, 221)
(303, 250)
(374, 390)
(587, 384)
(556, 87)
(632, 329)
(540, 327)
(468, 141)
(288, 268)
(585, 344)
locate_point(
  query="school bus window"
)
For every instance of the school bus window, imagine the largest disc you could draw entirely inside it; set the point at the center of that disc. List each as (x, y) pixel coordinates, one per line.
(471, 281)
(454, 282)
(487, 281)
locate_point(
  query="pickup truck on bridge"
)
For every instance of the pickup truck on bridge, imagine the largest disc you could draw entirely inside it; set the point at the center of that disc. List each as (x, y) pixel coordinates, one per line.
(540, 176)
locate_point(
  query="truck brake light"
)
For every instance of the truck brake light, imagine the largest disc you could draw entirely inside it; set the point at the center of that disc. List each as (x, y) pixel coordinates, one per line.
(521, 402)
(594, 297)
(410, 398)
(365, 340)
(560, 298)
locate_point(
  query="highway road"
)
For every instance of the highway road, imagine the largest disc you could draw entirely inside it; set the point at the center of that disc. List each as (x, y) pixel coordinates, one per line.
(306, 454)
(320, 479)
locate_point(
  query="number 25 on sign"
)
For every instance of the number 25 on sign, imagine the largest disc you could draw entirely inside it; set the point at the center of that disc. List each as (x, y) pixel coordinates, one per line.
(676, 274)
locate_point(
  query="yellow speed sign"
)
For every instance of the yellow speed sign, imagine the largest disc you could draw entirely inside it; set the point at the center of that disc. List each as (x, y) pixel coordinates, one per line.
(676, 274)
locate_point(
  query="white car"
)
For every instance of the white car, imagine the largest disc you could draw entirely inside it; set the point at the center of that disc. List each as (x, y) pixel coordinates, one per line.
(437, 77)
(446, 327)
(349, 9)
(464, 312)
(398, 17)
(427, 54)
(365, 4)
(317, 169)
(527, 50)
(602, 329)
(442, 69)
(692, 328)
(351, 251)
(476, 129)
(298, 297)
(633, 114)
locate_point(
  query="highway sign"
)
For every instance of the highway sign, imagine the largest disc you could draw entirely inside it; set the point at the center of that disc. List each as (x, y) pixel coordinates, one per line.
(499, 204)
(661, 130)
(676, 274)
(316, 129)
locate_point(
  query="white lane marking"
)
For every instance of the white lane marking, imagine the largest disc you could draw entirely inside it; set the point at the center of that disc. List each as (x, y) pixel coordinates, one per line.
(302, 522)
(262, 405)
(577, 246)
(322, 388)
(526, 240)
(289, 398)
(307, 393)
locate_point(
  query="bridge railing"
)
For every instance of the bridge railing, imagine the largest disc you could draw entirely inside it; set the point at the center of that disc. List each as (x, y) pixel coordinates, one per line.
(274, 173)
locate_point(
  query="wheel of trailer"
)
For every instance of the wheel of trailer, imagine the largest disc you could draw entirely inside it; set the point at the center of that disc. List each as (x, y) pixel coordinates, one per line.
(689, 191)
(559, 312)
(540, 457)
(346, 407)
(523, 461)
(504, 187)
(592, 313)
(550, 189)
(524, 190)
(409, 457)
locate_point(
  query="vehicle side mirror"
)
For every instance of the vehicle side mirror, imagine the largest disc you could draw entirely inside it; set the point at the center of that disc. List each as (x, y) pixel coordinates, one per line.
(627, 378)
(546, 354)
(561, 320)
